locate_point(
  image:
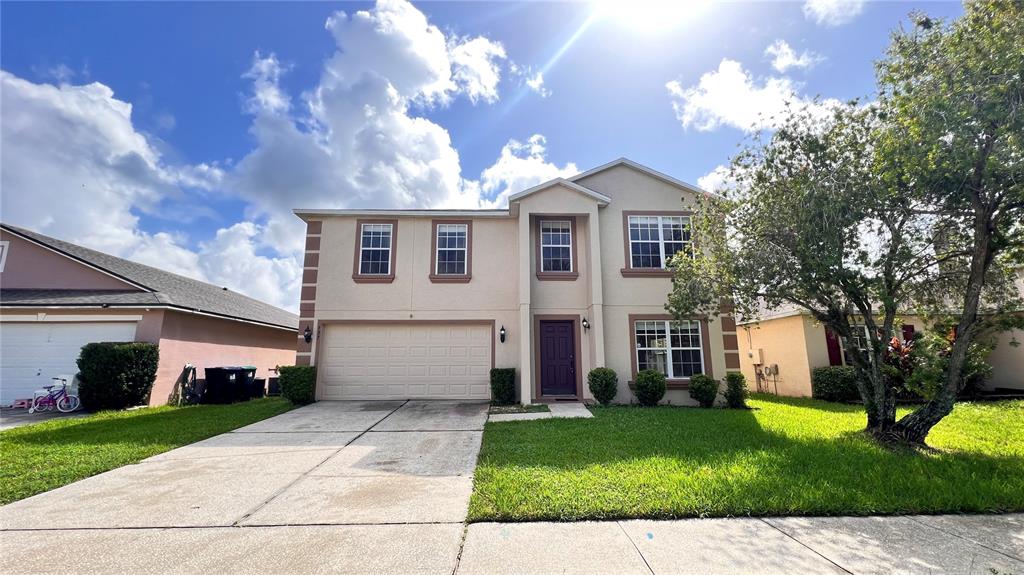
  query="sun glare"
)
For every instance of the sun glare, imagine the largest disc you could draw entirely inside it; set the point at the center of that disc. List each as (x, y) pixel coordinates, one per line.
(649, 15)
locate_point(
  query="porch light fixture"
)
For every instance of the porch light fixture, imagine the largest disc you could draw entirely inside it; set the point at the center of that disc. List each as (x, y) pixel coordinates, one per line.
(586, 324)
(501, 334)
(307, 335)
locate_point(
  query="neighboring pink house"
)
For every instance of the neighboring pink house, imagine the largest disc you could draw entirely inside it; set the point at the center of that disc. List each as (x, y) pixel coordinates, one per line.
(56, 296)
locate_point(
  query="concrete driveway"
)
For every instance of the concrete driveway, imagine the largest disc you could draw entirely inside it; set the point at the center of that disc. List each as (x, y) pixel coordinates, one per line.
(331, 487)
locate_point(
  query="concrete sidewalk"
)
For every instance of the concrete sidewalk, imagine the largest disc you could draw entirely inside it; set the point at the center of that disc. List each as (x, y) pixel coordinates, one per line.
(966, 544)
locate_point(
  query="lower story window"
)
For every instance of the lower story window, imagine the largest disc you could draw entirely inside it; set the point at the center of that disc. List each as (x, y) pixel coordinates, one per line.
(860, 340)
(671, 347)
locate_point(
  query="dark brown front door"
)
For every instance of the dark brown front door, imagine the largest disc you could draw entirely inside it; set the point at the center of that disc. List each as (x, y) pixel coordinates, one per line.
(557, 358)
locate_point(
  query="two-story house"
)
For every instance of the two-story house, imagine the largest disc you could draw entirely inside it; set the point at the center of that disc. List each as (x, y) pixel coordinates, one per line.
(571, 276)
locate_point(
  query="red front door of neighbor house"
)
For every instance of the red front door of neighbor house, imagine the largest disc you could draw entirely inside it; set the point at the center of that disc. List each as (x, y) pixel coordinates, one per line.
(557, 358)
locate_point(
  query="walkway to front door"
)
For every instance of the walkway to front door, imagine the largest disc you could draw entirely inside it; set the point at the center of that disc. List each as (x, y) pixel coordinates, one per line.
(557, 355)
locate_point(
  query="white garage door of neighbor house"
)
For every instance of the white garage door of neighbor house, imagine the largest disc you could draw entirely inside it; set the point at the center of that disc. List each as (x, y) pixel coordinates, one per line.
(405, 361)
(33, 352)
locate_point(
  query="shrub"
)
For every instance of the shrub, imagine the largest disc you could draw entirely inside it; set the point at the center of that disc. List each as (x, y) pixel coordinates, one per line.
(116, 375)
(298, 383)
(704, 389)
(604, 383)
(503, 385)
(649, 387)
(835, 383)
(735, 390)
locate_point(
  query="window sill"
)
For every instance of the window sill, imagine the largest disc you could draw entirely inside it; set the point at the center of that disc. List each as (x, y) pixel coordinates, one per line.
(645, 273)
(671, 384)
(365, 279)
(449, 279)
(558, 276)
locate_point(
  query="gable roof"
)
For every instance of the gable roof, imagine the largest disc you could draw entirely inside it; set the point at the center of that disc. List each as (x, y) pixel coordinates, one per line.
(644, 169)
(601, 199)
(159, 288)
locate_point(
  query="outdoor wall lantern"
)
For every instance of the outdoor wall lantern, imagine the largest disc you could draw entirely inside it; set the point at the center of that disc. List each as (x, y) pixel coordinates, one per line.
(307, 335)
(501, 334)
(586, 324)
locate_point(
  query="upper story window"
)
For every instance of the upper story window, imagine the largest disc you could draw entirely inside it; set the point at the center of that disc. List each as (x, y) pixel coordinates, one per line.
(654, 239)
(672, 347)
(375, 253)
(451, 260)
(556, 246)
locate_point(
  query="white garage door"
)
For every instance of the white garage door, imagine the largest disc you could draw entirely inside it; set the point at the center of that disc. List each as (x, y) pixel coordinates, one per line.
(405, 361)
(32, 353)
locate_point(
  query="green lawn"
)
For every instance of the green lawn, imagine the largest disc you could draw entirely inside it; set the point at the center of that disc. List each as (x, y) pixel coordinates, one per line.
(785, 457)
(43, 456)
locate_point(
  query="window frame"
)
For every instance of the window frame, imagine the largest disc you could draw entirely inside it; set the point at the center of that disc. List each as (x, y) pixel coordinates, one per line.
(867, 341)
(451, 278)
(663, 272)
(672, 382)
(357, 275)
(542, 275)
(5, 246)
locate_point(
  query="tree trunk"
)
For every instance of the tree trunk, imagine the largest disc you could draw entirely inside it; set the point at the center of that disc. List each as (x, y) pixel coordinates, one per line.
(914, 428)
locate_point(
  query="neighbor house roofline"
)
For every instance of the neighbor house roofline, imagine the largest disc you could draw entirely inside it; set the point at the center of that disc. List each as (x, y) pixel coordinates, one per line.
(602, 199)
(432, 213)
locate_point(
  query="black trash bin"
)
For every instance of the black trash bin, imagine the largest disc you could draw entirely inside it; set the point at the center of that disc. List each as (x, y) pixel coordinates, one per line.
(259, 388)
(228, 384)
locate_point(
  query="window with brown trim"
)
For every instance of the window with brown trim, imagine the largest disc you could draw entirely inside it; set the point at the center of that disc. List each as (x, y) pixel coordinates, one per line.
(556, 248)
(375, 248)
(451, 252)
(651, 239)
(672, 347)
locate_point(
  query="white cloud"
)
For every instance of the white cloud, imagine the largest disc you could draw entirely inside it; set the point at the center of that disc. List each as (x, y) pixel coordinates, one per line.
(475, 68)
(833, 12)
(784, 57)
(716, 180)
(526, 76)
(75, 167)
(730, 96)
(520, 165)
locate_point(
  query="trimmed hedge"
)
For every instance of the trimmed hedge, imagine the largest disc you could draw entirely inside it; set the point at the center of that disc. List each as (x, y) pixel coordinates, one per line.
(835, 383)
(116, 375)
(649, 387)
(704, 389)
(603, 383)
(735, 390)
(298, 383)
(503, 385)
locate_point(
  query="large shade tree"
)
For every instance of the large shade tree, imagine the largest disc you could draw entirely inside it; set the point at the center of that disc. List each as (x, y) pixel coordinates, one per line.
(862, 212)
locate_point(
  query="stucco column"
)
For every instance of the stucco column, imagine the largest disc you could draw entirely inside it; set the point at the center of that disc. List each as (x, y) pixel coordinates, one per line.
(596, 288)
(525, 336)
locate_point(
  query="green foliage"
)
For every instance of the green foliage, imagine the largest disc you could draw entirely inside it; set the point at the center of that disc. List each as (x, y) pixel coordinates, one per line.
(649, 387)
(116, 375)
(503, 385)
(787, 456)
(735, 390)
(834, 383)
(930, 373)
(603, 383)
(857, 213)
(298, 383)
(704, 389)
(47, 455)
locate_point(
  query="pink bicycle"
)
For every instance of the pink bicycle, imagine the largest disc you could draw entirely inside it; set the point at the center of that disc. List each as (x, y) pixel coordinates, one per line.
(59, 398)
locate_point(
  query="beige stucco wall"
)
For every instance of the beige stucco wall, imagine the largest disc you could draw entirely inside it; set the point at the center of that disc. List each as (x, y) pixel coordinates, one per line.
(1007, 361)
(797, 345)
(210, 342)
(631, 190)
(490, 295)
(31, 266)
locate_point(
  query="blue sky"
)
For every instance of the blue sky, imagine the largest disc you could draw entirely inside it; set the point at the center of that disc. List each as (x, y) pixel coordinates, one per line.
(180, 134)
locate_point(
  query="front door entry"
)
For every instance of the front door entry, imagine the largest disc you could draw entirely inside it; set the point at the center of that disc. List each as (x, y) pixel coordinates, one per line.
(557, 358)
